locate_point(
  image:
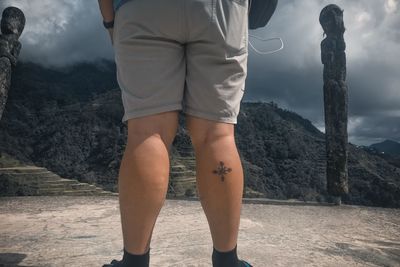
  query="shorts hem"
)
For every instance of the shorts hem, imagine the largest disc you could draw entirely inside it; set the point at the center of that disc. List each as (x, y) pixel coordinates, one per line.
(150, 111)
(208, 116)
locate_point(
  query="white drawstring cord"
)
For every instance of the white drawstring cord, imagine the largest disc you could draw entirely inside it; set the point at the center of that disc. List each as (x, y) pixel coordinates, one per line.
(264, 40)
(269, 39)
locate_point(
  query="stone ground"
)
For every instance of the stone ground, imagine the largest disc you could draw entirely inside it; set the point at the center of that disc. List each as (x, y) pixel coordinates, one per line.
(85, 231)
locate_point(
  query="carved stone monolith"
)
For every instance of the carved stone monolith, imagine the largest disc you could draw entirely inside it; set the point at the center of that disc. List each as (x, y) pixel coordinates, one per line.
(333, 58)
(12, 25)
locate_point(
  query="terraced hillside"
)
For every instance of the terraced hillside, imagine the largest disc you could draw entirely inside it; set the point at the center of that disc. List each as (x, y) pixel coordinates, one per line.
(38, 181)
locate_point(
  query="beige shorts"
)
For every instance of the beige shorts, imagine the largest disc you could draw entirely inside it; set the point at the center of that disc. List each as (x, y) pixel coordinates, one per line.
(188, 55)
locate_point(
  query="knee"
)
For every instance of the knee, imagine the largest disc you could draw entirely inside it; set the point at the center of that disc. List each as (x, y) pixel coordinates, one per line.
(137, 137)
(161, 126)
(210, 137)
(204, 132)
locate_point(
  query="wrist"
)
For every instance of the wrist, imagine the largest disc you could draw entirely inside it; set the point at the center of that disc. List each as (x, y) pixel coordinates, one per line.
(108, 24)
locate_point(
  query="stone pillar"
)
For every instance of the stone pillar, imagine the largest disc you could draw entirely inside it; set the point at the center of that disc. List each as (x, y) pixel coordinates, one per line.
(12, 25)
(333, 58)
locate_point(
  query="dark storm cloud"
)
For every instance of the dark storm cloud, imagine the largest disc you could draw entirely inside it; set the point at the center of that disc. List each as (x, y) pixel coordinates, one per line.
(293, 76)
(369, 129)
(62, 32)
(68, 31)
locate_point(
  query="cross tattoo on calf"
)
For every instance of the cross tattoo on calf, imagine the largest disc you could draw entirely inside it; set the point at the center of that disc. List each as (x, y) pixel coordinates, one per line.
(222, 170)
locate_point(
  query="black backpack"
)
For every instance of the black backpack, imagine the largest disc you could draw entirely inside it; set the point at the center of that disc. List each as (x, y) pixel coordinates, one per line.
(260, 12)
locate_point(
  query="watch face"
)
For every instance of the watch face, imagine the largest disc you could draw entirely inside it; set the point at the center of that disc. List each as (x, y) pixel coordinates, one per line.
(109, 24)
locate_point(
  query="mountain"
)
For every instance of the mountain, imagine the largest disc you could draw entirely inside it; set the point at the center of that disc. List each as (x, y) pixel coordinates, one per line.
(40, 88)
(388, 150)
(78, 134)
(387, 147)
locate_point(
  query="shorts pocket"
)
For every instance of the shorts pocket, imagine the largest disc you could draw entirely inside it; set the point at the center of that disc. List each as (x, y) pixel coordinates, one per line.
(231, 17)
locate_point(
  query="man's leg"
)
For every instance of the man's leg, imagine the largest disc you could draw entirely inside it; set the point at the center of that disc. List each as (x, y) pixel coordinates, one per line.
(219, 178)
(143, 177)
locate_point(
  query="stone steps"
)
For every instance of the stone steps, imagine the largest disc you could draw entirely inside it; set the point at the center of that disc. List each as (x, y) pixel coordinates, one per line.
(186, 151)
(179, 158)
(178, 167)
(24, 169)
(188, 163)
(34, 181)
(183, 179)
(182, 175)
(185, 184)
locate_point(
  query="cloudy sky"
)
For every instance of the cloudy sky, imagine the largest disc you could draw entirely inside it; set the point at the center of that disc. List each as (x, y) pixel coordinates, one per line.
(64, 32)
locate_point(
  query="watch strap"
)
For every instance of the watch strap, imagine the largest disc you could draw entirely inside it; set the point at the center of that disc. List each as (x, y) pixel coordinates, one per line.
(108, 24)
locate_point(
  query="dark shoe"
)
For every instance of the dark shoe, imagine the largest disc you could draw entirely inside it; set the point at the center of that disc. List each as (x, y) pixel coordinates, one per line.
(114, 263)
(245, 264)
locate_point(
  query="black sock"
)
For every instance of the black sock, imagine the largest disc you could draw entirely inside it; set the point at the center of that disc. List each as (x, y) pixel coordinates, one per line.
(225, 259)
(133, 260)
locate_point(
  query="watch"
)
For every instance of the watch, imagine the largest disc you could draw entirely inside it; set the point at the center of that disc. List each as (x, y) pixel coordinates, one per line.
(108, 24)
